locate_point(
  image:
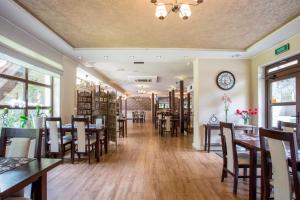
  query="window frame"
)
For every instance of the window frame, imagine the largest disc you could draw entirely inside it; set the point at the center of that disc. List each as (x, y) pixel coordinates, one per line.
(26, 82)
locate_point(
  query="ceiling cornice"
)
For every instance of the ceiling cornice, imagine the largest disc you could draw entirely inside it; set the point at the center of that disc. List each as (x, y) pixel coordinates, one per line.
(20, 17)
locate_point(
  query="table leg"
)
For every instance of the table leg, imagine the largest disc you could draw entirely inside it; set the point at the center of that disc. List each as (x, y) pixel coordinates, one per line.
(72, 148)
(205, 138)
(97, 145)
(126, 127)
(106, 141)
(39, 188)
(253, 174)
(208, 138)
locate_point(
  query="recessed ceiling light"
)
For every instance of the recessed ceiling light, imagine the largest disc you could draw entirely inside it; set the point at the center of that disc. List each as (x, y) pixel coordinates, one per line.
(132, 57)
(105, 57)
(159, 57)
(236, 55)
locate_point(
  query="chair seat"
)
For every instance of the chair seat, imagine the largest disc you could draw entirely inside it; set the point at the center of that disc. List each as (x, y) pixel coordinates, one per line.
(244, 158)
(66, 139)
(102, 137)
(92, 141)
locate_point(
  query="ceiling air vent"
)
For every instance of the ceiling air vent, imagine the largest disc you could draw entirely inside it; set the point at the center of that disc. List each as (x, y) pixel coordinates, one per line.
(138, 63)
(142, 79)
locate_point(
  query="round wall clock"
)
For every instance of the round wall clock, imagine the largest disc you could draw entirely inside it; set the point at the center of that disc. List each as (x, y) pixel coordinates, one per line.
(225, 80)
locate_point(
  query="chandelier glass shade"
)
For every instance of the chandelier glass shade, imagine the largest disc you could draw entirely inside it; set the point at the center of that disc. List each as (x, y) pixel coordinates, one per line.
(183, 9)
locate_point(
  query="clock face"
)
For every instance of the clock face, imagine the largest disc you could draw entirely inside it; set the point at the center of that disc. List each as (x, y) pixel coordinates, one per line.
(225, 80)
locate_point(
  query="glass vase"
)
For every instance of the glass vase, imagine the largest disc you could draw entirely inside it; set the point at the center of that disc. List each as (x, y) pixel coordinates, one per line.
(246, 121)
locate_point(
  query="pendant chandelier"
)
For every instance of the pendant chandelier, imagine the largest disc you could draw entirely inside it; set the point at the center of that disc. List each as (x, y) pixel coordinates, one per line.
(183, 9)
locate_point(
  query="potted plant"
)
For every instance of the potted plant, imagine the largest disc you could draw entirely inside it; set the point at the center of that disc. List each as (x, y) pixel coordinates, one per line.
(246, 114)
(24, 121)
(37, 118)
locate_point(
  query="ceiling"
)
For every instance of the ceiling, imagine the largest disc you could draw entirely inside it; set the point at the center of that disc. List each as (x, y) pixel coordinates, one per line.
(168, 74)
(230, 24)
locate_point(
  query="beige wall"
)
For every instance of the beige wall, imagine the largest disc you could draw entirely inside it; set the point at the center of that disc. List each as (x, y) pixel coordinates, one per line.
(258, 63)
(68, 89)
(210, 95)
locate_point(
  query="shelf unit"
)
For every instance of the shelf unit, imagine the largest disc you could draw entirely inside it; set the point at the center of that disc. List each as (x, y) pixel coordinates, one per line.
(112, 117)
(100, 102)
(84, 104)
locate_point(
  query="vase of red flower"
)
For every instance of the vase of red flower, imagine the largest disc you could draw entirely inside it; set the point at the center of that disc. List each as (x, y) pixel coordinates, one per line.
(246, 114)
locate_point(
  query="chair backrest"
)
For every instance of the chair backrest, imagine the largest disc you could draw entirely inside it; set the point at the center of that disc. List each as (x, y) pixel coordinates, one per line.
(159, 115)
(273, 141)
(24, 142)
(228, 146)
(79, 126)
(287, 126)
(99, 122)
(168, 123)
(52, 133)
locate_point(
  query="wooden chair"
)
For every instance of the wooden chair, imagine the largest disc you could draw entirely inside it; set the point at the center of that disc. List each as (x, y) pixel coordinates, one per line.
(55, 140)
(167, 126)
(142, 117)
(135, 116)
(286, 126)
(160, 118)
(83, 140)
(23, 143)
(232, 160)
(100, 121)
(273, 143)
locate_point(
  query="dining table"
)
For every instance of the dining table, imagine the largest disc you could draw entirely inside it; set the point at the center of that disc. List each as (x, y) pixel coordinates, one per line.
(250, 129)
(17, 173)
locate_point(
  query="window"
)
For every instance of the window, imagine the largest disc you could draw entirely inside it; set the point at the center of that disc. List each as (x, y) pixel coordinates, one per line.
(282, 66)
(283, 92)
(22, 89)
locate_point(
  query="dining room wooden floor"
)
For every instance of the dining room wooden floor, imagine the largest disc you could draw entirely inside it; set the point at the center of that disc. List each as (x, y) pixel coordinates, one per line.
(146, 166)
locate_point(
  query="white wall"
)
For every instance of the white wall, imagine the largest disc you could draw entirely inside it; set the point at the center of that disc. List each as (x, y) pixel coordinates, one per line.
(208, 96)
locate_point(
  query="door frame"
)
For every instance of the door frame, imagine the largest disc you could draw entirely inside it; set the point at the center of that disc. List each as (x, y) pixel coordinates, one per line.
(281, 74)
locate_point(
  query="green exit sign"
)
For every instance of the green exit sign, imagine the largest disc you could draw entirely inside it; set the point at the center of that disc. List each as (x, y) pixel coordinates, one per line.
(282, 49)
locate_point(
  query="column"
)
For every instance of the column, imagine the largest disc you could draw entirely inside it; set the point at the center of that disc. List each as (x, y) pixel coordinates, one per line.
(173, 101)
(153, 108)
(197, 137)
(181, 108)
(188, 110)
(170, 100)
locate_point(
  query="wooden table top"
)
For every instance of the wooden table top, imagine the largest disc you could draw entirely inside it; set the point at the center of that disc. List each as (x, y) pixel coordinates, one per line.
(236, 126)
(248, 143)
(91, 127)
(13, 180)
